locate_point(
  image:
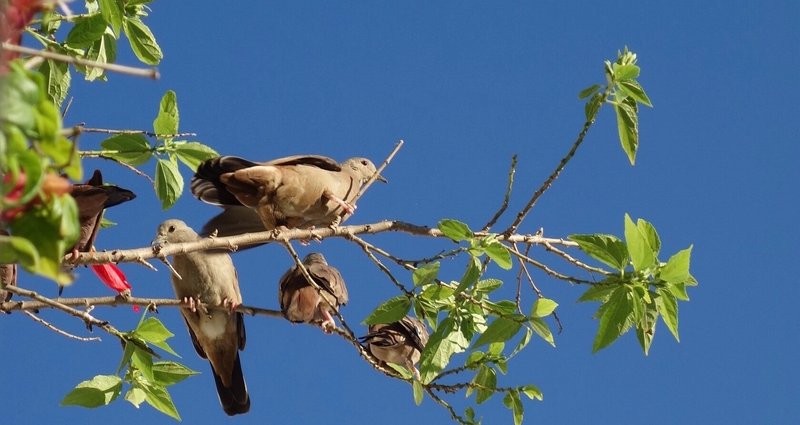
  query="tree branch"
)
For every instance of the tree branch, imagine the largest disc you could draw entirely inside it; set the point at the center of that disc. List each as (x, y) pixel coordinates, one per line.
(122, 69)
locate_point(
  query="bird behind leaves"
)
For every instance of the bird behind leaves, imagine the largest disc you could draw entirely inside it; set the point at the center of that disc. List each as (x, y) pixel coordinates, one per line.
(302, 303)
(302, 191)
(208, 278)
(400, 342)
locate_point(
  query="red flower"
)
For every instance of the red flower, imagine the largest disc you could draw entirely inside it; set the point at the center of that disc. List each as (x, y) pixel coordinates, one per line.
(113, 277)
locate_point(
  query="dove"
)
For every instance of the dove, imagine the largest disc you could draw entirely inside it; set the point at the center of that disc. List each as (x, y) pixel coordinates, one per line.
(209, 278)
(92, 198)
(302, 191)
(399, 342)
(302, 303)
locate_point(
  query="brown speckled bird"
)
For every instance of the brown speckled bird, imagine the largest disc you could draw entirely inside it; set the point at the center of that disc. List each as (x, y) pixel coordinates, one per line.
(302, 303)
(398, 342)
(209, 278)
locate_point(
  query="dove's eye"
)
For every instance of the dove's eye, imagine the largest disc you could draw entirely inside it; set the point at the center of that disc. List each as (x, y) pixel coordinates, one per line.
(171, 229)
(363, 162)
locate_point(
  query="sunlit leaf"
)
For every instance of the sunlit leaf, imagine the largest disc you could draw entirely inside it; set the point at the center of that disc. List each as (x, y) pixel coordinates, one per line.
(99, 391)
(390, 311)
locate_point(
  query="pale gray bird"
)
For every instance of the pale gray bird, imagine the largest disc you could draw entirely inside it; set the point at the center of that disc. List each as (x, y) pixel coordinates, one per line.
(398, 342)
(209, 278)
(302, 303)
(302, 191)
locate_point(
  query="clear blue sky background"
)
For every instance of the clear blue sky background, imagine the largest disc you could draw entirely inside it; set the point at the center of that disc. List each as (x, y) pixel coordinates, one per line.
(467, 86)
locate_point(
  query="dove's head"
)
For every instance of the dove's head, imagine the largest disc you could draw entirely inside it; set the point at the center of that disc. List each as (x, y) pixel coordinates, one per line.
(362, 168)
(173, 231)
(314, 257)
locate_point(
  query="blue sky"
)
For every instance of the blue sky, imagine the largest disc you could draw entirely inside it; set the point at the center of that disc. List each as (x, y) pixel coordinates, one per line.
(467, 86)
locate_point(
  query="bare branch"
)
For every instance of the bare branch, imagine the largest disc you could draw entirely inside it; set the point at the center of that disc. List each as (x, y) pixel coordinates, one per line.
(574, 260)
(247, 239)
(378, 172)
(546, 269)
(561, 165)
(122, 69)
(506, 197)
(50, 326)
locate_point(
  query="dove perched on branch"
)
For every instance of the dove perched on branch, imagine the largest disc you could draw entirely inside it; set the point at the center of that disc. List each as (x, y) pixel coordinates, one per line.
(209, 278)
(302, 303)
(301, 191)
(398, 342)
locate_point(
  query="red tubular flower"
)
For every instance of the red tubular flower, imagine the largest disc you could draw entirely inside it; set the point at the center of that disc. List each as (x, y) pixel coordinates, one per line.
(113, 277)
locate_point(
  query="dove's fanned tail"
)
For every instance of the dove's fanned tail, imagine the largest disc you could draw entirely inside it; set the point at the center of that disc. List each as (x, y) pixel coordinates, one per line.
(206, 184)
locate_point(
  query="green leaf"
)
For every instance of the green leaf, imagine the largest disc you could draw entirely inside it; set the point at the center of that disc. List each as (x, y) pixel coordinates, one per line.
(543, 330)
(512, 401)
(57, 79)
(677, 268)
(16, 249)
(588, 91)
(501, 330)
(678, 290)
(169, 373)
(426, 274)
(598, 292)
(143, 362)
(625, 72)
(168, 183)
(455, 230)
(593, 106)
(158, 397)
(438, 350)
(405, 373)
(642, 255)
(167, 120)
(194, 153)
(143, 42)
(106, 223)
(667, 306)
(488, 285)
(390, 311)
(499, 254)
(487, 378)
(614, 314)
(86, 31)
(634, 90)
(645, 331)
(628, 128)
(526, 339)
(131, 149)
(471, 275)
(543, 307)
(417, 388)
(152, 330)
(607, 249)
(112, 14)
(136, 396)
(650, 234)
(103, 50)
(533, 392)
(99, 391)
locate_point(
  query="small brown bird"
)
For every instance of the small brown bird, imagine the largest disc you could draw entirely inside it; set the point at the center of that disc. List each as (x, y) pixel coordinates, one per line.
(209, 278)
(302, 303)
(92, 198)
(8, 277)
(301, 191)
(398, 342)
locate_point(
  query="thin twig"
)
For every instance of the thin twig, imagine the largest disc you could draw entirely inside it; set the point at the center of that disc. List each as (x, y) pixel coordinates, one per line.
(122, 69)
(535, 288)
(447, 406)
(548, 270)
(506, 197)
(574, 260)
(377, 172)
(85, 154)
(83, 129)
(368, 247)
(561, 165)
(62, 332)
